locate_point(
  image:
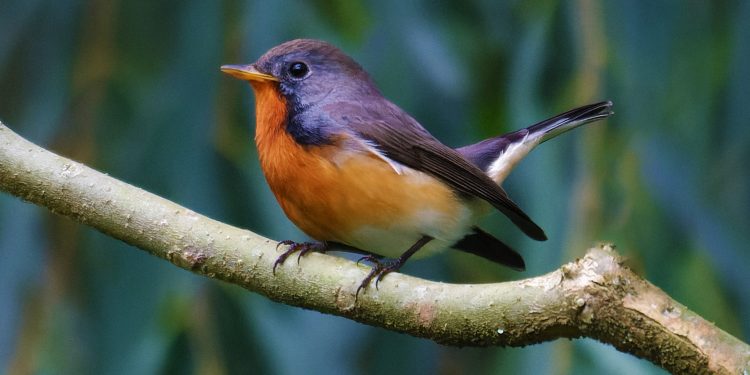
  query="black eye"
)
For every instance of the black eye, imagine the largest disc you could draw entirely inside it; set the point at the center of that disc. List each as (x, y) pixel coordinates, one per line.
(298, 69)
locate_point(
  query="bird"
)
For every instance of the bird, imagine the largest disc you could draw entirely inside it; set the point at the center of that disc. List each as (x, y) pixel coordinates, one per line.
(350, 168)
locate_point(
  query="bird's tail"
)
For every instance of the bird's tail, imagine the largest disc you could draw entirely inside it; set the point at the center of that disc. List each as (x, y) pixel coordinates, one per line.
(497, 156)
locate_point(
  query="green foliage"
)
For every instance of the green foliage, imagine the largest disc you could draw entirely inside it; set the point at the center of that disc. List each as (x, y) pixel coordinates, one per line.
(133, 89)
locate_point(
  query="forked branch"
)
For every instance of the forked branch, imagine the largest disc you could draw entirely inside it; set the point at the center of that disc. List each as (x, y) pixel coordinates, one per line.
(594, 297)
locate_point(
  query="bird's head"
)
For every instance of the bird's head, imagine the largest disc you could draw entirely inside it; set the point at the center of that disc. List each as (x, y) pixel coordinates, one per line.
(307, 72)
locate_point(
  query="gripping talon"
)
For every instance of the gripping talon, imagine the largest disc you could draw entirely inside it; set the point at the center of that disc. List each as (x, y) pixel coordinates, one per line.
(301, 247)
(369, 258)
(364, 282)
(282, 258)
(310, 247)
(381, 268)
(378, 271)
(380, 277)
(284, 242)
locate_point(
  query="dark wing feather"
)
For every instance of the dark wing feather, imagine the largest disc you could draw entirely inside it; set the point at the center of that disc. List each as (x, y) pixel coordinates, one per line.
(402, 139)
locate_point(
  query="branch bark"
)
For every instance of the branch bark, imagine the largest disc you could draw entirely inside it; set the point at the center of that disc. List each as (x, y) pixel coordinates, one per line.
(595, 296)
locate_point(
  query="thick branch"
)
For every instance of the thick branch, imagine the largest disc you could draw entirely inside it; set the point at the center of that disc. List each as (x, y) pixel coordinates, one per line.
(595, 296)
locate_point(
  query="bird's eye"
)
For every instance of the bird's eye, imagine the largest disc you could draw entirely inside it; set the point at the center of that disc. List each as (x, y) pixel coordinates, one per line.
(298, 70)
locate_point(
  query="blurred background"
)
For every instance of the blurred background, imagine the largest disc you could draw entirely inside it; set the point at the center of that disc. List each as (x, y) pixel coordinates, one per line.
(133, 89)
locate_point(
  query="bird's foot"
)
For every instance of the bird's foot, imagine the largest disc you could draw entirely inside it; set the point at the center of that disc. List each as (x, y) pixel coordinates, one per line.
(301, 247)
(380, 268)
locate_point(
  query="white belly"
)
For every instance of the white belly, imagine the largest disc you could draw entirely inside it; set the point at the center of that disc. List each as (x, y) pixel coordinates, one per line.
(394, 240)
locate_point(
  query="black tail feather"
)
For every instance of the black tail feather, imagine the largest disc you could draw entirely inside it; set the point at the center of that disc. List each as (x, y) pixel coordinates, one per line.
(486, 246)
(484, 153)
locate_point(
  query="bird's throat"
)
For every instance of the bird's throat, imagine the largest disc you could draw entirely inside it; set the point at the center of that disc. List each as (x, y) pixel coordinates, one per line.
(270, 114)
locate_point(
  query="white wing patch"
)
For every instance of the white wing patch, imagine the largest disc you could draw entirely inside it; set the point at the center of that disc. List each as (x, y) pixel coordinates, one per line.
(371, 147)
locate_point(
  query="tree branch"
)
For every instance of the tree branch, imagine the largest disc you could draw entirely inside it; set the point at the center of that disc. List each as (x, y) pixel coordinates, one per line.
(594, 297)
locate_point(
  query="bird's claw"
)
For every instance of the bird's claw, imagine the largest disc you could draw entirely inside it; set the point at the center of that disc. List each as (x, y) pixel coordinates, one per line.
(369, 258)
(301, 247)
(379, 269)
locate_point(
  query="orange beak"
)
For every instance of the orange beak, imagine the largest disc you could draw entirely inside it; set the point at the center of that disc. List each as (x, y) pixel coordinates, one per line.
(247, 73)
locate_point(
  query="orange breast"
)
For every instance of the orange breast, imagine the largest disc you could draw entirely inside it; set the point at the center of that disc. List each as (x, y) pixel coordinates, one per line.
(347, 195)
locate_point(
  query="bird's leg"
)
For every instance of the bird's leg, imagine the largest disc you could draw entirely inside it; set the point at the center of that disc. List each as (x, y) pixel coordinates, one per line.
(382, 267)
(302, 247)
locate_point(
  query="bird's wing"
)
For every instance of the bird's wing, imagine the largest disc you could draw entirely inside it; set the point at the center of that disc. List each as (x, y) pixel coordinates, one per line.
(400, 138)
